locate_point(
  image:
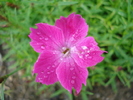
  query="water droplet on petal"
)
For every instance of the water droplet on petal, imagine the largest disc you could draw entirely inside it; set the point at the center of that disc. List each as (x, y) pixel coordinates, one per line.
(73, 35)
(45, 76)
(73, 77)
(48, 72)
(54, 52)
(80, 56)
(52, 71)
(72, 68)
(86, 56)
(82, 52)
(40, 38)
(37, 60)
(88, 51)
(42, 47)
(72, 63)
(40, 79)
(91, 49)
(42, 72)
(37, 43)
(53, 66)
(61, 58)
(72, 81)
(76, 31)
(90, 57)
(94, 53)
(64, 48)
(84, 47)
(38, 32)
(46, 38)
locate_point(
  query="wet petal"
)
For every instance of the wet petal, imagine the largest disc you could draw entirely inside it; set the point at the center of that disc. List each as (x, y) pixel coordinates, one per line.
(46, 37)
(87, 53)
(71, 75)
(74, 27)
(45, 67)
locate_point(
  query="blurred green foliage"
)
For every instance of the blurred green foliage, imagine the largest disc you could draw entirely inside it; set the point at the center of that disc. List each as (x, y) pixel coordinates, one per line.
(110, 22)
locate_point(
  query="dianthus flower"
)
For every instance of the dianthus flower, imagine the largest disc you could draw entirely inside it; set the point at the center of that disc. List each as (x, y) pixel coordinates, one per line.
(65, 52)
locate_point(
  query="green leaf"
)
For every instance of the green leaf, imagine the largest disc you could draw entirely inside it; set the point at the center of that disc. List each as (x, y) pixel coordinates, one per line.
(58, 92)
(67, 3)
(2, 91)
(84, 96)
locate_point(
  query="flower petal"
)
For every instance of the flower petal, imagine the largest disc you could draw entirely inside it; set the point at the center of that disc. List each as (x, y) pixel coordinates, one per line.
(74, 27)
(45, 67)
(46, 37)
(71, 75)
(87, 53)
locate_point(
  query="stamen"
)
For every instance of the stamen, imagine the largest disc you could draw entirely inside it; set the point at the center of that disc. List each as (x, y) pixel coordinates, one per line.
(67, 50)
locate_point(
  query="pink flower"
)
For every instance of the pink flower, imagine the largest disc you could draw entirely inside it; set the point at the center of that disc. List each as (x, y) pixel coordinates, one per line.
(65, 52)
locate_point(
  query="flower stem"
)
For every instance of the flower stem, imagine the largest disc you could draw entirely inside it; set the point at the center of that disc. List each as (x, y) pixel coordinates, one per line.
(73, 96)
(7, 75)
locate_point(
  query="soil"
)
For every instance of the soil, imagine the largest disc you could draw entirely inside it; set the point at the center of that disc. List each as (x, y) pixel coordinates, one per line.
(18, 88)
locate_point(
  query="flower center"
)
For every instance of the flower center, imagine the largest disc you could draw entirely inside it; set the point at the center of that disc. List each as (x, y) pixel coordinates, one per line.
(66, 51)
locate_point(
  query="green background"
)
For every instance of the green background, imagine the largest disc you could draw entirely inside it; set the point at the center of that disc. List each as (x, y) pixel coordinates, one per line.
(110, 23)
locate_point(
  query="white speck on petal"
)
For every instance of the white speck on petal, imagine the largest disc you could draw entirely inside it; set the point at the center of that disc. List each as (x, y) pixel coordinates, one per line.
(40, 38)
(84, 47)
(48, 72)
(72, 63)
(42, 47)
(45, 38)
(37, 43)
(86, 55)
(54, 52)
(73, 77)
(80, 72)
(40, 79)
(37, 60)
(38, 32)
(80, 56)
(90, 57)
(94, 53)
(82, 52)
(64, 48)
(52, 71)
(42, 72)
(72, 81)
(61, 58)
(72, 68)
(53, 66)
(88, 51)
(55, 63)
(45, 76)
(91, 49)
